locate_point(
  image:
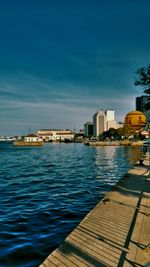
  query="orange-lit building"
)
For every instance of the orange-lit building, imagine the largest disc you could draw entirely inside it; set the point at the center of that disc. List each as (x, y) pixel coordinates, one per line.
(135, 120)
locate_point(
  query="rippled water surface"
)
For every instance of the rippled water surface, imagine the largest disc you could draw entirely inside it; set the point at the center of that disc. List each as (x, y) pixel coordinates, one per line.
(46, 191)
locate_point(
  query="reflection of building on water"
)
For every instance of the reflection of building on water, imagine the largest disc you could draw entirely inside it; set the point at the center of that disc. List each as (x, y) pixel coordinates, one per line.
(105, 156)
(106, 165)
(133, 153)
(108, 171)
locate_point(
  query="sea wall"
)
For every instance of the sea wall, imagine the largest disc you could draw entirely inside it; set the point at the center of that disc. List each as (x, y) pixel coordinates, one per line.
(23, 143)
(114, 143)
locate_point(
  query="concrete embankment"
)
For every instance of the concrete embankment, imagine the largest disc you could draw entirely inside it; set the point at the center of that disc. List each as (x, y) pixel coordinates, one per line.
(27, 143)
(114, 143)
(116, 232)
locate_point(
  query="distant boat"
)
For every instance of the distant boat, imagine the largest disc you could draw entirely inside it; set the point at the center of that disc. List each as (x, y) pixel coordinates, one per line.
(29, 140)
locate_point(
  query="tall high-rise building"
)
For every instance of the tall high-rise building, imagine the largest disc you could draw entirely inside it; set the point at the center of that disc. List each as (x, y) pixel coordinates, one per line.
(88, 129)
(99, 123)
(110, 114)
(141, 105)
(103, 120)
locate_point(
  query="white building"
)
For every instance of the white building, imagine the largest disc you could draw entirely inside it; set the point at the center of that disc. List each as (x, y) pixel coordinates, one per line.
(55, 135)
(110, 114)
(32, 138)
(103, 120)
(99, 123)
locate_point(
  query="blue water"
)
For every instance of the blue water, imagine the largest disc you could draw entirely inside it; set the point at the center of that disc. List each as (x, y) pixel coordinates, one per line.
(46, 191)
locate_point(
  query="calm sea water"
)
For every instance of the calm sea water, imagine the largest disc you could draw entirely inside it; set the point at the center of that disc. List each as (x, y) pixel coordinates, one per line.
(46, 191)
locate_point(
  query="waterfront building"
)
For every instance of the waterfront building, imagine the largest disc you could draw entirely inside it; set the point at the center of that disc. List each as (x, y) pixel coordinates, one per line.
(55, 134)
(29, 140)
(99, 123)
(32, 138)
(141, 105)
(88, 129)
(135, 119)
(79, 135)
(103, 120)
(110, 114)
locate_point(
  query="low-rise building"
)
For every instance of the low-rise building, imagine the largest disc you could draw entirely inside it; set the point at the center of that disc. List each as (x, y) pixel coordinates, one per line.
(32, 138)
(48, 135)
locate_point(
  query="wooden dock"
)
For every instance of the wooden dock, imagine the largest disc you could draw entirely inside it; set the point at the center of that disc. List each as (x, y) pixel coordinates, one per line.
(116, 232)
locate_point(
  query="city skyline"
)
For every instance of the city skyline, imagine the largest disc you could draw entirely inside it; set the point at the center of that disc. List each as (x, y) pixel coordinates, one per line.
(63, 61)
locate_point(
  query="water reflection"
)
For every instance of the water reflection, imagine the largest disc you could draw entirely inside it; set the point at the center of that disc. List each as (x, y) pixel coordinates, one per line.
(47, 191)
(133, 154)
(111, 161)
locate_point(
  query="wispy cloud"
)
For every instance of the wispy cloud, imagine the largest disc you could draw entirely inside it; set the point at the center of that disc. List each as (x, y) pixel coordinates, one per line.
(61, 63)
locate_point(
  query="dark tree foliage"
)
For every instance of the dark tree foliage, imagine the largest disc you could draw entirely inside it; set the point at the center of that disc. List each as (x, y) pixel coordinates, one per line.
(117, 134)
(144, 78)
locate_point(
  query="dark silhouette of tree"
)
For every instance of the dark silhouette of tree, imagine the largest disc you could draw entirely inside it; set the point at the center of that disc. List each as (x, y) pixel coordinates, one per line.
(143, 78)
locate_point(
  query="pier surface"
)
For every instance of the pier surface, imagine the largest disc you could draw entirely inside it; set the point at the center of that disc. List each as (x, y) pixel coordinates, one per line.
(116, 232)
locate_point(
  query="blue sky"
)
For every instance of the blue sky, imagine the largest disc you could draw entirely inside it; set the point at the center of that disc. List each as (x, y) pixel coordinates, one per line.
(61, 61)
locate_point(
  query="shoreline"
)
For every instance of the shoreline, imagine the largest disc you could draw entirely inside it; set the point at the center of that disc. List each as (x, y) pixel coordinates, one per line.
(114, 143)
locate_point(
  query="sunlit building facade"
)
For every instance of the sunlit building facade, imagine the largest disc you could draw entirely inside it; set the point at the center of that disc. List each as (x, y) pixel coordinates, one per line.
(55, 134)
(103, 120)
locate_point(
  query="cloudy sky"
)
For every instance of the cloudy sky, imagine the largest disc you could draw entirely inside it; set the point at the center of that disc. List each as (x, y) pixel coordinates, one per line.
(63, 60)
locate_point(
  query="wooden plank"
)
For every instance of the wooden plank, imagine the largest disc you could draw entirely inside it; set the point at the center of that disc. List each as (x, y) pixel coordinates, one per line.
(102, 244)
(107, 225)
(104, 241)
(93, 251)
(108, 215)
(74, 257)
(62, 258)
(112, 233)
(103, 233)
(48, 263)
(94, 242)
